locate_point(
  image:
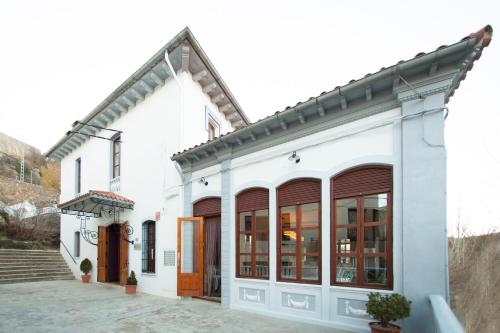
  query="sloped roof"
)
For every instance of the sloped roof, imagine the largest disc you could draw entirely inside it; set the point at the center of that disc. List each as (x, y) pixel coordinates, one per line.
(471, 45)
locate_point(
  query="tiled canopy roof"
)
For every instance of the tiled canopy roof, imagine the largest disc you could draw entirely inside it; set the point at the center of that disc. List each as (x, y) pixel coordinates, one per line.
(481, 39)
(97, 194)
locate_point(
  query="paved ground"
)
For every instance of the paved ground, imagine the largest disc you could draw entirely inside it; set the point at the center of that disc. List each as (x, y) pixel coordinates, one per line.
(71, 306)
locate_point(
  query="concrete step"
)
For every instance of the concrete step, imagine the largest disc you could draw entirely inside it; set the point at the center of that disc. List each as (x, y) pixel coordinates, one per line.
(30, 258)
(17, 267)
(25, 252)
(29, 255)
(14, 275)
(63, 270)
(35, 279)
(33, 260)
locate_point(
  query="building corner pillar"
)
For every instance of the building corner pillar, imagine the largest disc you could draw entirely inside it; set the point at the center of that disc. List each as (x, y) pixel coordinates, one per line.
(225, 232)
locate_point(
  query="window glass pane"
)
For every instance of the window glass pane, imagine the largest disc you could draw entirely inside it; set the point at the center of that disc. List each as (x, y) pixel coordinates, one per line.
(288, 240)
(262, 219)
(246, 222)
(262, 266)
(346, 211)
(375, 207)
(375, 239)
(245, 243)
(310, 241)
(375, 270)
(346, 269)
(116, 145)
(245, 265)
(190, 241)
(345, 240)
(288, 217)
(261, 242)
(310, 268)
(288, 267)
(310, 215)
(116, 171)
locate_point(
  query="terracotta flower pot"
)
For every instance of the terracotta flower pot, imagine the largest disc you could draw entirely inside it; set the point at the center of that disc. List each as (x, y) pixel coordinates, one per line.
(377, 327)
(85, 278)
(130, 289)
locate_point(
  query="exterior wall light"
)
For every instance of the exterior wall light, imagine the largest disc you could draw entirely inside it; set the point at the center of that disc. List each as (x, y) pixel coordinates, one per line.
(203, 181)
(294, 157)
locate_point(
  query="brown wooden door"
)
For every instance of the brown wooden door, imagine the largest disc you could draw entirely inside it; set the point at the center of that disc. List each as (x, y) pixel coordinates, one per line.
(102, 254)
(123, 254)
(190, 256)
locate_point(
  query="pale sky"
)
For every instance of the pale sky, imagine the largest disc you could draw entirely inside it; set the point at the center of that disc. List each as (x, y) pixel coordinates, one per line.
(60, 59)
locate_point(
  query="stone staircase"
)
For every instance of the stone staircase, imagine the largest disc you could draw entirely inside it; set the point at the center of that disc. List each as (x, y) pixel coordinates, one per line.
(32, 265)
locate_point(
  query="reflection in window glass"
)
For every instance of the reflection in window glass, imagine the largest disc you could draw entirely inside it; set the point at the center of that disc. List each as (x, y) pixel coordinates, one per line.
(375, 239)
(288, 267)
(262, 219)
(245, 265)
(246, 222)
(346, 211)
(346, 269)
(245, 243)
(262, 266)
(288, 217)
(375, 270)
(346, 240)
(310, 268)
(261, 242)
(310, 215)
(375, 207)
(288, 240)
(310, 241)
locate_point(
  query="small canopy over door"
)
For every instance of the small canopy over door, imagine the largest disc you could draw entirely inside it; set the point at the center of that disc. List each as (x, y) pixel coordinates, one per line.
(190, 256)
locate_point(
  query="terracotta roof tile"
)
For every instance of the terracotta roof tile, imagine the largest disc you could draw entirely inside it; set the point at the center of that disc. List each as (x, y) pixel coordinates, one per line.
(101, 194)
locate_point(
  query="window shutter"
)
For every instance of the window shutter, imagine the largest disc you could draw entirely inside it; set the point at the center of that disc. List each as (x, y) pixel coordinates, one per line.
(252, 199)
(299, 191)
(362, 180)
(206, 207)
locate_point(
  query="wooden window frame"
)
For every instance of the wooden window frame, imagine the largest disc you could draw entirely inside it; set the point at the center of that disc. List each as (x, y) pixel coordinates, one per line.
(148, 262)
(298, 243)
(253, 254)
(211, 131)
(360, 228)
(116, 141)
(259, 204)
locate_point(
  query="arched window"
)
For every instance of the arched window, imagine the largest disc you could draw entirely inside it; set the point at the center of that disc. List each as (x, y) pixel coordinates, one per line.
(76, 250)
(299, 231)
(148, 246)
(252, 233)
(362, 227)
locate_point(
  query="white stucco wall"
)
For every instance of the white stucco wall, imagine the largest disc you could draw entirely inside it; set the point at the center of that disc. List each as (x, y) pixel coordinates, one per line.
(322, 156)
(153, 130)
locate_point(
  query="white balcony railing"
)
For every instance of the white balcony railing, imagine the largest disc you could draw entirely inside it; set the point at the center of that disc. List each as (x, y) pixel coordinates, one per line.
(114, 185)
(444, 319)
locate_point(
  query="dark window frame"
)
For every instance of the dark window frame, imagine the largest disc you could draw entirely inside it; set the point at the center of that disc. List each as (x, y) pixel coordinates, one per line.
(253, 254)
(76, 251)
(116, 157)
(149, 247)
(78, 175)
(360, 226)
(298, 243)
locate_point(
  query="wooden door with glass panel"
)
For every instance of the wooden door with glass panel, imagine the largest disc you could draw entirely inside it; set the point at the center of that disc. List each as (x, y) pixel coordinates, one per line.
(190, 256)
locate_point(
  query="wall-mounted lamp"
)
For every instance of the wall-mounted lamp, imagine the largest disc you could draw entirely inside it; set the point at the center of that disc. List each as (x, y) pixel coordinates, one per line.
(203, 181)
(294, 157)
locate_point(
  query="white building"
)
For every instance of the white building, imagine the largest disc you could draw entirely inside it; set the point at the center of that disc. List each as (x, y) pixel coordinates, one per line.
(298, 215)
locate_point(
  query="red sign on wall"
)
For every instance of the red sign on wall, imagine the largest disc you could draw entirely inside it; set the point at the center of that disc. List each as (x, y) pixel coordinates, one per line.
(157, 216)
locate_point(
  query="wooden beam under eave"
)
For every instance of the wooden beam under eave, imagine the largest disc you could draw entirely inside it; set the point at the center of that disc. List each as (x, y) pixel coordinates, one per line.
(137, 94)
(146, 86)
(209, 87)
(200, 75)
(283, 124)
(185, 56)
(238, 140)
(115, 113)
(99, 122)
(301, 118)
(127, 100)
(395, 83)
(120, 107)
(267, 130)
(321, 111)
(156, 78)
(252, 136)
(433, 69)
(225, 108)
(218, 98)
(196, 157)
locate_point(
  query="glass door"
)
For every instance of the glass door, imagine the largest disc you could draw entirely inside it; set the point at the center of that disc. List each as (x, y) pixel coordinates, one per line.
(190, 256)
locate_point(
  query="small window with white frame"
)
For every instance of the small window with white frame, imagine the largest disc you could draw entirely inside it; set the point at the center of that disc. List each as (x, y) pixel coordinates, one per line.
(78, 176)
(212, 124)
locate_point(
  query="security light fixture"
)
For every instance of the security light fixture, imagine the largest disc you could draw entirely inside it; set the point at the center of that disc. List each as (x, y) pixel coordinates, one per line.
(294, 157)
(203, 181)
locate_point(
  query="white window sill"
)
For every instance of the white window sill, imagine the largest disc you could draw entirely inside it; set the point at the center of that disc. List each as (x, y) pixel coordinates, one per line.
(146, 274)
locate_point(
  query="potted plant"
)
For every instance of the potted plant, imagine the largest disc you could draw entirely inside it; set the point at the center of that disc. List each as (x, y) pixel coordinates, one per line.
(86, 267)
(131, 286)
(386, 309)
